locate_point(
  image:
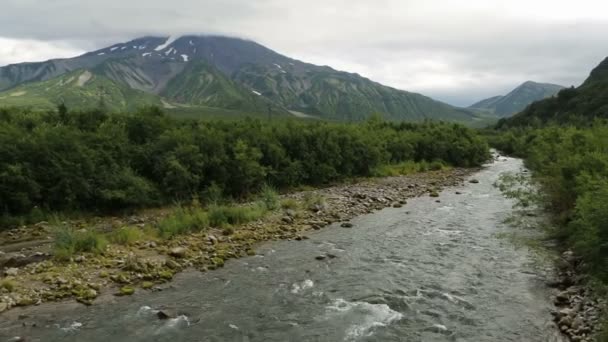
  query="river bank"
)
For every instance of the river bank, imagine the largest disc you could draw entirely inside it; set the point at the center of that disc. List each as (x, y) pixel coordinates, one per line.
(435, 269)
(32, 276)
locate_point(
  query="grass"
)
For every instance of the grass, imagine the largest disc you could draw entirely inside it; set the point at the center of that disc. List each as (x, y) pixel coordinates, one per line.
(69, 242)
(225, 215)
(290, 203)
(269, 197)
(126, 236)
(8, 284)
(313, 201)
(183, 221)
(407, 168)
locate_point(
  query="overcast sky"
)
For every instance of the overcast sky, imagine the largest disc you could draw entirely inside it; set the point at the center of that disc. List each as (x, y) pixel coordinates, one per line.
(458, 51)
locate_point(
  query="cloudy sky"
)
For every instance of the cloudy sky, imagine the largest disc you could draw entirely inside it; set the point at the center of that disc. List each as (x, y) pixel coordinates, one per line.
(458, 51)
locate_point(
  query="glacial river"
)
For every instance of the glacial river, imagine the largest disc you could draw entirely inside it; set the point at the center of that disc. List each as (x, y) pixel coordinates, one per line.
(426, 272)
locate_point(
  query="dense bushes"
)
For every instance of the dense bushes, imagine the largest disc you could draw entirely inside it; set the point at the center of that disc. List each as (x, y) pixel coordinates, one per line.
(95, 161)
(571, 165)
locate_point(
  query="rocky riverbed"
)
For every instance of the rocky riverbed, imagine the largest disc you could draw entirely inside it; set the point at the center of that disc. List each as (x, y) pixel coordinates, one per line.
(32, 276)
(578, 309)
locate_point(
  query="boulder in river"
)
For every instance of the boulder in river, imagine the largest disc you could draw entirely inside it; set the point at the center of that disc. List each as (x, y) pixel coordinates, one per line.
(346, 225)
(474, 181)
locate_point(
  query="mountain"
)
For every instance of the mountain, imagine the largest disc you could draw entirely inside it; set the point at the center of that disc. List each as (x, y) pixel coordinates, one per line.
(571, 105)
(234, 74)
(518, 99)
(78, 89)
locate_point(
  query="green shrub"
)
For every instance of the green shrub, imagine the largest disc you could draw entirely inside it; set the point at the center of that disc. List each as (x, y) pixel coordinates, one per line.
(224, 215)
(269, 197)
(290, 203)
(126, 235)
(313, 201)
(183, 221)
(8, 284)
(69, 242)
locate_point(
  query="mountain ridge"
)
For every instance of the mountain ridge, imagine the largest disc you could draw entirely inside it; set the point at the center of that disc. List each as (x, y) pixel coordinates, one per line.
(579, 105)
(517, 99)
(150, 64)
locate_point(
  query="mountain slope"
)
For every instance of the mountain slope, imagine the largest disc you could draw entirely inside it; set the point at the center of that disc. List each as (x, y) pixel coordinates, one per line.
(518, 99)
(336, 95)
(80, 89)
(202, 84)
(572, 105)
(238, 70)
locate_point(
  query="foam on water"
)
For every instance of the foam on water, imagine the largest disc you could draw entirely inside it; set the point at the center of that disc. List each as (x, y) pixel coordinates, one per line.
(299, 287)
(368, 316)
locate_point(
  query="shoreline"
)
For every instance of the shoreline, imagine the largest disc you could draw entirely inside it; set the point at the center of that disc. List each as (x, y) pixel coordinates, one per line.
(36, 278)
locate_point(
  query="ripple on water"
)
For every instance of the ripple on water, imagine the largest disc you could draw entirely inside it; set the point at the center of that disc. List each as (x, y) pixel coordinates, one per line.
(360, 317)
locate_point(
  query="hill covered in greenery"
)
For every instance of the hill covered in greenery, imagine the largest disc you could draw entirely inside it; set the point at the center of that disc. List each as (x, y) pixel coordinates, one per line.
(579, 106)
(518, 99)
(78, 89)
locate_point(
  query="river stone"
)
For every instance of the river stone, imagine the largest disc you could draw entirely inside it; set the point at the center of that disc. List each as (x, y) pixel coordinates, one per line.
(178, 252)
(566, 320)
(11, 272)
(320, 257)
(212, 239)
(287, 219)
(3, 306)
(346, 225)
(474, 181)
(126, 291)
(164, 314)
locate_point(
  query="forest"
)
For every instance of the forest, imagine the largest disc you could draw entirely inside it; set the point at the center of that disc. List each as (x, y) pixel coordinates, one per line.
(570, 163)
(92, 161)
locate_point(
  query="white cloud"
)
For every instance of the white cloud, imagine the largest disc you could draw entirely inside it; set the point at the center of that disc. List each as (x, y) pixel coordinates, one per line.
(459, 51)
(22, 50)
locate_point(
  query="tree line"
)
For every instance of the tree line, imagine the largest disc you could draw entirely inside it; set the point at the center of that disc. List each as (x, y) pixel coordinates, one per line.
(95, 161)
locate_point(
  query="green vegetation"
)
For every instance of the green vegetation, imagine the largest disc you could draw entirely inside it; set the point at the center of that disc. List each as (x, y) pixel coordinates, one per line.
(126, 236)
(183, 221)
(571, 165)
(576, 106)
(93, 161)
(8, 284)
(343, 96)
(517, 100)
(407, 168)
(78, 89)
(69, 242)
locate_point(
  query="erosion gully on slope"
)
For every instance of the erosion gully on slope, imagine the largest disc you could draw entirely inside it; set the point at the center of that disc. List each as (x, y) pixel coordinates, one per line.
(429, 271)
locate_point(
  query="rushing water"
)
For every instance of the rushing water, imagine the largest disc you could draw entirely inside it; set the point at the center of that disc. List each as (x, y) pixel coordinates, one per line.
(426, 272)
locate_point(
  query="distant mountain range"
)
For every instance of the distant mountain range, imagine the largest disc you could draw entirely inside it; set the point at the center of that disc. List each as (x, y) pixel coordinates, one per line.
(212, 72)
(518, 99)
(572, 105)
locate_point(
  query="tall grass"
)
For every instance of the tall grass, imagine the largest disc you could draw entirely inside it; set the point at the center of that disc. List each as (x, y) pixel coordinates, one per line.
(126, 236)
(269, 197)
(407, 168)
(225, 215)
(183, 221)
(69, 242)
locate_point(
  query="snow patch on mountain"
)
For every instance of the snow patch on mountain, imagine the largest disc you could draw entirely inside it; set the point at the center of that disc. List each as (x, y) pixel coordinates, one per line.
(185, 58)
(168, 42)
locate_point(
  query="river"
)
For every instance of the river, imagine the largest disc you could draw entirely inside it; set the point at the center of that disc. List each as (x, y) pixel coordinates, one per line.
(426, 272)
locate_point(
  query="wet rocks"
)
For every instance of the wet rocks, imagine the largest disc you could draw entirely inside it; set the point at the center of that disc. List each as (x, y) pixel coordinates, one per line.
(11, 272)
(178, 252)
(320, 257)
(579, 308)
(474, 181)
(126, 291)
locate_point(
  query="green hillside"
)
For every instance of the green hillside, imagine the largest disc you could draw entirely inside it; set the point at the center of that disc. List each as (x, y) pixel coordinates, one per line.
(80, 89)
(573, 105)
(335, 95)
(518, 99)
